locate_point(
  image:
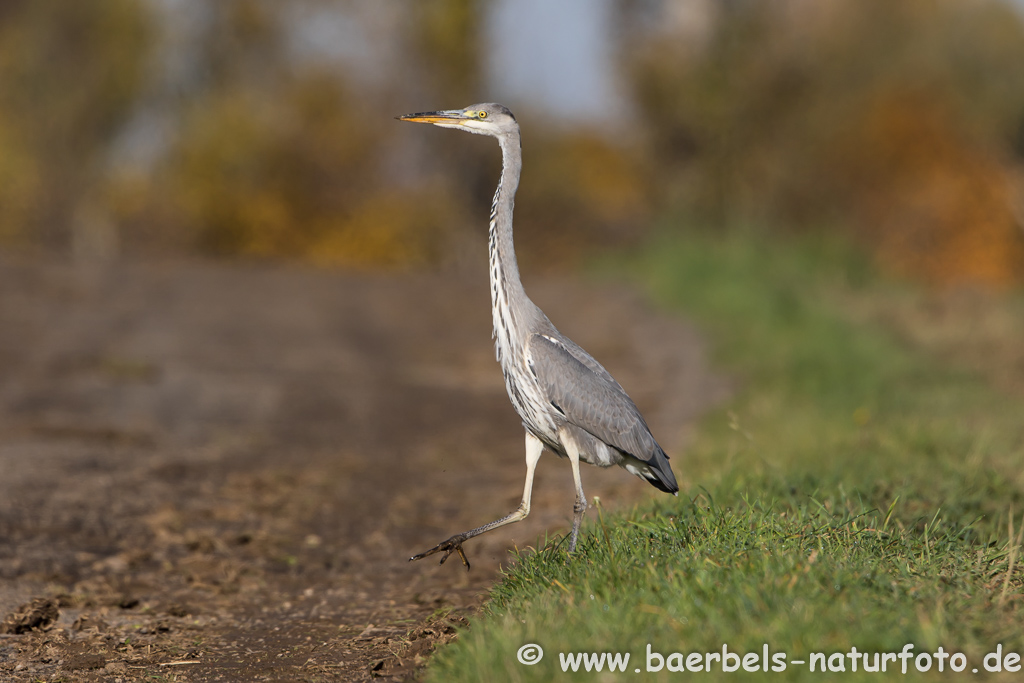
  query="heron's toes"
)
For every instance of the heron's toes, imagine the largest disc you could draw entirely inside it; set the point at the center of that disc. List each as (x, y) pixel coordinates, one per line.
(452, 545)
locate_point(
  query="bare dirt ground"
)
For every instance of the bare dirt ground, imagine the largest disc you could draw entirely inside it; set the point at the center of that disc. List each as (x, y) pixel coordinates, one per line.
(217, 472)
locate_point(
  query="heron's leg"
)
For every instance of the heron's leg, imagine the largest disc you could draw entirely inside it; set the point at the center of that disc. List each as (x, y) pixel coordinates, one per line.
(580, 507)
(534, 447)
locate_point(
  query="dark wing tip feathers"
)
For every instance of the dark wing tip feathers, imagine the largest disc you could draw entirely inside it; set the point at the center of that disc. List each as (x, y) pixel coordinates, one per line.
(578, 378)
(662, 486)
(663, 479)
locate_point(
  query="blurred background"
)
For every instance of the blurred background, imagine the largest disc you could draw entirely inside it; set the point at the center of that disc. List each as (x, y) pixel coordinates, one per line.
(264, 128)
(182, 439)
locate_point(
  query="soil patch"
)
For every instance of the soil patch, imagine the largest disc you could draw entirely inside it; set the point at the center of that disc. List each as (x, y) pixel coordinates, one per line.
(218, 472)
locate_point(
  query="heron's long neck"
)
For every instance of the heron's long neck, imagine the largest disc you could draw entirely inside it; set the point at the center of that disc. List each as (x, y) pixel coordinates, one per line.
(508, 300)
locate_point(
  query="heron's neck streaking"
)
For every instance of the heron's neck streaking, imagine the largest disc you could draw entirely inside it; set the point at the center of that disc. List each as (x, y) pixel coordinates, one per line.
(508, 300)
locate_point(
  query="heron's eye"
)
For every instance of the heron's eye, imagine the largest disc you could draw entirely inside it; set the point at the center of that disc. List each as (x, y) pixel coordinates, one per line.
(481, 114)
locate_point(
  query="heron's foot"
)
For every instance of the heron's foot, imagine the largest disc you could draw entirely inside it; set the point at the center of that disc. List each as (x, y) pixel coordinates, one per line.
(578, 510)
(452, 545)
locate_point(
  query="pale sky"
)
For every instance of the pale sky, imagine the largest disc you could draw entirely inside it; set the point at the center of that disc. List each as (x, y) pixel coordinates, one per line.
(557, 56)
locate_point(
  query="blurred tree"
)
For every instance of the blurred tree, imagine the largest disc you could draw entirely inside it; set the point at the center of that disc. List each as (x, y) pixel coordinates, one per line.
(447, 35)
(895, 119)
(579, 191)
(272, 157)
(250, 145)
(69, 75)
(294, 176)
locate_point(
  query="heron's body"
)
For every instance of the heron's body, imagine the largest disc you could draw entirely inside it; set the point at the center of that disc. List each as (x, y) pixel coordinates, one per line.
(568, 402)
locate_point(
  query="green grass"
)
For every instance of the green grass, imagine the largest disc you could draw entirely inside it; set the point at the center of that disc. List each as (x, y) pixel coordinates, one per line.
(854, 493)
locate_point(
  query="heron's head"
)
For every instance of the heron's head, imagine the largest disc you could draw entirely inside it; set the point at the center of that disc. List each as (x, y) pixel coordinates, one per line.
(482, 119)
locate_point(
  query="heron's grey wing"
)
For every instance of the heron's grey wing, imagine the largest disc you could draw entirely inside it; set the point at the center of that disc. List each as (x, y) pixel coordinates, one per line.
(582, 356)
(589, 397)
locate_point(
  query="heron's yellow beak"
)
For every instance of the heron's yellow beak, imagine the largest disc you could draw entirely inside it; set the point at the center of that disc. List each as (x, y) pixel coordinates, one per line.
(453, 116)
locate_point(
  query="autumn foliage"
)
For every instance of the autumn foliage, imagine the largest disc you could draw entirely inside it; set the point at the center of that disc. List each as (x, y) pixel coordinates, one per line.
(69, 76)
(895, 121)
(899, 123)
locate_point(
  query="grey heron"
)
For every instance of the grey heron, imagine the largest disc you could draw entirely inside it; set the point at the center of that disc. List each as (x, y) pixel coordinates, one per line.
(568, 402)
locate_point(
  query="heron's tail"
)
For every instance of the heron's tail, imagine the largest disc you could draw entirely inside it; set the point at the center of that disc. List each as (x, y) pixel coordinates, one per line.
(659, 473)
